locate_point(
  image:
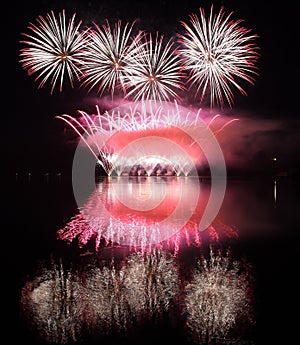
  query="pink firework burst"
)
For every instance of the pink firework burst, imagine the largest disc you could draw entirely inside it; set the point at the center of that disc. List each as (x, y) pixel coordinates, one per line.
(52, 50)
(107, 135)
(218, 53)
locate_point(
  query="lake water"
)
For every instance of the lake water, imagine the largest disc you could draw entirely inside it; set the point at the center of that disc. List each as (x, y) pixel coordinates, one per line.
(137, 265)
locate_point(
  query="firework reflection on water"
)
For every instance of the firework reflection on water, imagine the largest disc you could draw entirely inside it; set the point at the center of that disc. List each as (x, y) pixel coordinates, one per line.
(60, 304)
(63, 305)
(151, 282)
(218, 301)
(107, 219)
(51, 304)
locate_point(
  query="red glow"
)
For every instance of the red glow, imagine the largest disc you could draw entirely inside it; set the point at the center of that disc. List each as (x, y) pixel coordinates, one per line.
(119, 141)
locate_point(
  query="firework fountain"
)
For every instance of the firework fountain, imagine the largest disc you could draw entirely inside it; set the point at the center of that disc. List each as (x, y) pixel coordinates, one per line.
(163, 133)
(151, 139)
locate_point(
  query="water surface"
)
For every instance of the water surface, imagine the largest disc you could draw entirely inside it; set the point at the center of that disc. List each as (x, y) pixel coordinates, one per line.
(258, 223)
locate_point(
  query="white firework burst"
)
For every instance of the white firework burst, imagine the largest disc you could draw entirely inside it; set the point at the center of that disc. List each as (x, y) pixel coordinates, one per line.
(109, 54)
(156, 71)
(52, 50)
(218, 53)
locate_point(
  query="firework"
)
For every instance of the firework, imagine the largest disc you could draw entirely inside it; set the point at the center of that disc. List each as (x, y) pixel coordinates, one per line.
(156, 71)
(217, 53)
(52, 50)
(108, 136)
(109, 56)
(213, 55)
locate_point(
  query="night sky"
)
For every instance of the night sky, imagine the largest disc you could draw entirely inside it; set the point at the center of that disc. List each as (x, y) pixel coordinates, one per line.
(36, 140)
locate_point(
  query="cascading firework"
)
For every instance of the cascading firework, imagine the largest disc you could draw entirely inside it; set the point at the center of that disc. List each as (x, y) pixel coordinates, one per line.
(164, 138)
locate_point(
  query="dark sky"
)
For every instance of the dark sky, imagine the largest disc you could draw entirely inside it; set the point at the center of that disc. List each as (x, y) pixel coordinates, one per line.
(37, 136)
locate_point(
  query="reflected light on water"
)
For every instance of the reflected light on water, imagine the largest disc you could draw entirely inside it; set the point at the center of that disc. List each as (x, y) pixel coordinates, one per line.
(275, 192)
(51, 304)
(144, 213)
(63, 305)
(60, 303)
(218, 300)
(151, 282)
